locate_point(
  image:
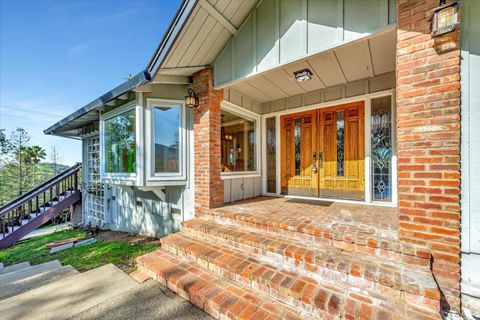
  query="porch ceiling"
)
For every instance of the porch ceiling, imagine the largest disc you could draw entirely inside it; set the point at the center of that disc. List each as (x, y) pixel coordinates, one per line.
(206, 32)
(365, 58)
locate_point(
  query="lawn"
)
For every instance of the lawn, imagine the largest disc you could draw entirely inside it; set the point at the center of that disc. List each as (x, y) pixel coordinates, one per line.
(121, 249)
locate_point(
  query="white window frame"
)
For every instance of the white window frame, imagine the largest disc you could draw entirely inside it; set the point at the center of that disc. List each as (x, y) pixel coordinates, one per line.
(241, 112)
(167, 178)
(122, 178)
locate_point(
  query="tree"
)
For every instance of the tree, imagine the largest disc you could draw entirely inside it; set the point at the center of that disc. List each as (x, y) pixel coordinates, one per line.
(55, 157)
(35, 155)
(19, 140)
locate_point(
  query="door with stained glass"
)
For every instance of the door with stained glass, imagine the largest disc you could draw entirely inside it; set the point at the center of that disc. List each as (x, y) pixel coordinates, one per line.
(342, 151)
(299, 154)
(323, 152)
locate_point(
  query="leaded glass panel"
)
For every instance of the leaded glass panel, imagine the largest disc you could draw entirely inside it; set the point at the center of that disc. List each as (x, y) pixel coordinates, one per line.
(340, 144)
(298, 126)
(381, 124)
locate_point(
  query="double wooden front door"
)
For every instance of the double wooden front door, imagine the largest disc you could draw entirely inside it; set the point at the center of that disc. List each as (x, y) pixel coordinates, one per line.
(322, 152)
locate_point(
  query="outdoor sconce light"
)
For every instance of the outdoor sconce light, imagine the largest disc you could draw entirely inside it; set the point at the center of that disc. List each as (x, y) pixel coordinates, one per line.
(191, 101)
(303, 75)
(444, 18)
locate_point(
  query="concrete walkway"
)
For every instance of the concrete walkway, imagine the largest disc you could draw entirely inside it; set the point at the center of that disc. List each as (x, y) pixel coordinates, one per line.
(149, 301)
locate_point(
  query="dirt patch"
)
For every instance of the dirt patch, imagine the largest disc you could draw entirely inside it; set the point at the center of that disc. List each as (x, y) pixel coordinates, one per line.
(115, 236)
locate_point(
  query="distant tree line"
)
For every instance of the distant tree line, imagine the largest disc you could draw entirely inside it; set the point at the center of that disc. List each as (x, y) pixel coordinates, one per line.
(21, 166)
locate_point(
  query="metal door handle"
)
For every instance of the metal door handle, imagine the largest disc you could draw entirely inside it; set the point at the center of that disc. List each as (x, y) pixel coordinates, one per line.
(314, 168)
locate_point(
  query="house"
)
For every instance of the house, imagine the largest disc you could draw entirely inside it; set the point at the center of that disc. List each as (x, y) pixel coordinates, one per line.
(370, 106)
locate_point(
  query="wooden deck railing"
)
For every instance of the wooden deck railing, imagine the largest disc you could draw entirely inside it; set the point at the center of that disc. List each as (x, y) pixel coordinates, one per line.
(38, 200)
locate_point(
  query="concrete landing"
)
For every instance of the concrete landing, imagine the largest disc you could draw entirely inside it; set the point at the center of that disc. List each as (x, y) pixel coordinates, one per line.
(28, 272)
(66, 298)
(36, 281)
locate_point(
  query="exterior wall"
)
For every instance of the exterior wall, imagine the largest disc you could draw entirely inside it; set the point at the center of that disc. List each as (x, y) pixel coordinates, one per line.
(428, 131)
(470, 41)
(143, 212)
(207, 151)
(351, 89)
(281, 31)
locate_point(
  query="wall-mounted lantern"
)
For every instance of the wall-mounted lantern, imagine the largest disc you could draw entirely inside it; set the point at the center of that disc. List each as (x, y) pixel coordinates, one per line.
(444, 18)
(191, 100)
(303, 75)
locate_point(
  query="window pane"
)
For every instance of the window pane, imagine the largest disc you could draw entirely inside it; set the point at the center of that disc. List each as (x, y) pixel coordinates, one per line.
(120, 148)
(381, 124)
(167, 132)
(340, 143)
(271, 156)
(238, 143)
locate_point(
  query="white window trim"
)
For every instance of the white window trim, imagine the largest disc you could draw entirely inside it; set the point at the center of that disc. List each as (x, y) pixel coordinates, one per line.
(368, 183)
(233, 108)
(122, 178)
(159, 179)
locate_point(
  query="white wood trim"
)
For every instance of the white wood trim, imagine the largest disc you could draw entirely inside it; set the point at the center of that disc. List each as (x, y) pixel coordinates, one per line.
(233, 108)
(394, 151)
(368, 150)
(152, 177)
(217, 16)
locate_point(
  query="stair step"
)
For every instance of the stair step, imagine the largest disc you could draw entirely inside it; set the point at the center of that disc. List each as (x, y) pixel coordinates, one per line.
(349, 236)
(36, 281)
(23, 273)
(217, 296)
(15, 267)
(291, 286)
(359, 270)
(65, 298)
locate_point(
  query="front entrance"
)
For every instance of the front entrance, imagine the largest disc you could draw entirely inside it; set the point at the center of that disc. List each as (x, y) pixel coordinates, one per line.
(323, 152)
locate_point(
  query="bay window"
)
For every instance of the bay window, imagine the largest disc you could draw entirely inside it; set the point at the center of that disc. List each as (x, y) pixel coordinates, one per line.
(166, 132)
(119, 134)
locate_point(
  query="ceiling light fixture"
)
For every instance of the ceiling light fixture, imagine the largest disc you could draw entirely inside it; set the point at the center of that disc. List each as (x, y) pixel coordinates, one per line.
(303, 75)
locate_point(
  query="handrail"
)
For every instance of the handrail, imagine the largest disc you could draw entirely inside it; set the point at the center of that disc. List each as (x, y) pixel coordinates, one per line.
(39, 189)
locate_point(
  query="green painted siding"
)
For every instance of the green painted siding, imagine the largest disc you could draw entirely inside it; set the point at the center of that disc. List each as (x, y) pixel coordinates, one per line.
(280, 31)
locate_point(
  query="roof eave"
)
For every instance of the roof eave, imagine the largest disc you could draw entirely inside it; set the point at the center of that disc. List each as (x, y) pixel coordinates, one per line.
(138, 80)
(173, 31)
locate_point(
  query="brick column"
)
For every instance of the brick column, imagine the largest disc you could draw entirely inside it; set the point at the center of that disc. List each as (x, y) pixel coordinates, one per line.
(428, 131)
(208, 185)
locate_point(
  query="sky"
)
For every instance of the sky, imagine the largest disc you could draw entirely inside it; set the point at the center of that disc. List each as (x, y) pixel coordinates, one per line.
(57, 56)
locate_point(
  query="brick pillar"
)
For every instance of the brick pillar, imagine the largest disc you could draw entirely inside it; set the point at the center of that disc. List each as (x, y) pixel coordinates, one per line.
(428, 133)
(208, 185)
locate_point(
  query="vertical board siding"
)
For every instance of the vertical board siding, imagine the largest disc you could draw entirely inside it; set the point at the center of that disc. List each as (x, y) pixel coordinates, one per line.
(470, 126)
(280, 31)
(323, 26)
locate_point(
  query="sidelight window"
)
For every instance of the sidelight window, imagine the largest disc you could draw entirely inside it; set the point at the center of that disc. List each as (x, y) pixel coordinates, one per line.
(381, 135)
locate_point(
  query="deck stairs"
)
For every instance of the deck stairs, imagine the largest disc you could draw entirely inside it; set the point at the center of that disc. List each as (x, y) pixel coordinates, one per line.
(36, 207)
(252, 265)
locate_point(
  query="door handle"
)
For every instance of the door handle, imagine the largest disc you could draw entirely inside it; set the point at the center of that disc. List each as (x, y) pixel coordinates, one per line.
(314, 168)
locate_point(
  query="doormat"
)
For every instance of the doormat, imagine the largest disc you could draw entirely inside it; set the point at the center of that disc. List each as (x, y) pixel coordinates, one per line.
(320, 203)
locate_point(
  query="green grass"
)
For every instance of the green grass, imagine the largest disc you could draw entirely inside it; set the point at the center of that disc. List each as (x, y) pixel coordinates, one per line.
(121, 254)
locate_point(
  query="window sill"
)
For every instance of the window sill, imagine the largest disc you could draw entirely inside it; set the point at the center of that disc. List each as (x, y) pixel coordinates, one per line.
(230, 175)
(165, 183)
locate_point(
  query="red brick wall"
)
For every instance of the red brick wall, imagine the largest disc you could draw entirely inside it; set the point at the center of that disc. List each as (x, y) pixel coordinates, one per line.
(428, 131)
(207, 162)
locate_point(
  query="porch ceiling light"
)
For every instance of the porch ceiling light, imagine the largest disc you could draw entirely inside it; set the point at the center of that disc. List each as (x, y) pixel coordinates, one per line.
(303, 75)
(191, 100)
(444, 18)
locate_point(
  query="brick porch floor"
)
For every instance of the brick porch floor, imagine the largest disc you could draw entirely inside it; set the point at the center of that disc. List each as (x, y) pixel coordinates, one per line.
(282, 258)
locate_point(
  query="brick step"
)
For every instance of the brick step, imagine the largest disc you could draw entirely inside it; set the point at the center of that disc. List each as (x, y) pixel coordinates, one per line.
(355, 237)
(280, 281)
(219, 297)
(369, 273)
